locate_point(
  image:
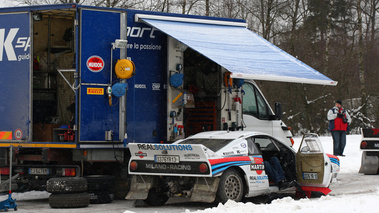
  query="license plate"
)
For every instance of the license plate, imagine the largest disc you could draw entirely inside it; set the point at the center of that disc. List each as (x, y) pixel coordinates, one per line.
(38, 171)
(166, 158)
(310, 176)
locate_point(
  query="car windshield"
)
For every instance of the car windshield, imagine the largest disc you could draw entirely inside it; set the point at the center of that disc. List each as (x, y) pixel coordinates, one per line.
(212, 144)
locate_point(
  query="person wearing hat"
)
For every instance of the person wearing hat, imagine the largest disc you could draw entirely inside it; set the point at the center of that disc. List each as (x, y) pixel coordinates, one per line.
(339, 121)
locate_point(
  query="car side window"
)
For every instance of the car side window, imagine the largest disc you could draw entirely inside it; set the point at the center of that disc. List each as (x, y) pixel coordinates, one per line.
(266, 144)
(253, 150)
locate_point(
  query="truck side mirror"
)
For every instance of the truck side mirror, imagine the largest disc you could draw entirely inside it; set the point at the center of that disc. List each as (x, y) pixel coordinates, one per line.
(278, 111)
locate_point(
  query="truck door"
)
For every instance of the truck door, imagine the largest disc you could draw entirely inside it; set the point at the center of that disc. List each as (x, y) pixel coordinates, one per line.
(15, 77)
(312, 167)
(99, 118)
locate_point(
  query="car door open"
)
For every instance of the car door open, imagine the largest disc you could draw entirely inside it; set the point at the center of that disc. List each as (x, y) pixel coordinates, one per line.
(310, 162)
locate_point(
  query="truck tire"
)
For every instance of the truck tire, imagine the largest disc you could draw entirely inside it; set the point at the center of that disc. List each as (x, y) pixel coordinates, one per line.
(66, 185)
(156, 197)
(231, 186)
(71, 200)
(99, 197)
(99, 182)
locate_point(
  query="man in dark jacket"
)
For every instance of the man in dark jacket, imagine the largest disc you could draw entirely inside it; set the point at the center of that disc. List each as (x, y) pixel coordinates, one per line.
(339, 121)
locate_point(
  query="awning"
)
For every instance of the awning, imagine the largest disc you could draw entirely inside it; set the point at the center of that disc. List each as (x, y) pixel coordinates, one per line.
(237, 49)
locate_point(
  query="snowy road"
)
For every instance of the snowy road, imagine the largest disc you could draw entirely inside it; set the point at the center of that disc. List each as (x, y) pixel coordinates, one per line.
(352, 192)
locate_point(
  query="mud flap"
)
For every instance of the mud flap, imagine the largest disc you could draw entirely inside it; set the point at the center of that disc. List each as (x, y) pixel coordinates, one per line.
(139, 187)
(369, 164)
(309, 191)
(205, 190)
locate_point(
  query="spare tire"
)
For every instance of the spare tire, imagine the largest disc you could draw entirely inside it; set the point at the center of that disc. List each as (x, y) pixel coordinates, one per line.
(66, 185)
(71, 200)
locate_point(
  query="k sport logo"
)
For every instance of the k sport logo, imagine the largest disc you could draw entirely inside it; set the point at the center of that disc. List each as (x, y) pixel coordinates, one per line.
(6, 45)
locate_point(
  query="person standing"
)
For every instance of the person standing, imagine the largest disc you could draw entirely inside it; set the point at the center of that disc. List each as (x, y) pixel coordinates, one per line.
(339, 121)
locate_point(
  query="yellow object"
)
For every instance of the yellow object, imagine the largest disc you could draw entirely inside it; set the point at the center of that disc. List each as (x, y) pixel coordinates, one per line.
(95, 91)
(228, 81)
(5, 135)
(125, 68)
(110, 100)
(177, 97)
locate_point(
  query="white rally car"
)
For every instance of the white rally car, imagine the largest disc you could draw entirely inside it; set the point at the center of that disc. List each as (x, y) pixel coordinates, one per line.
(225, 165)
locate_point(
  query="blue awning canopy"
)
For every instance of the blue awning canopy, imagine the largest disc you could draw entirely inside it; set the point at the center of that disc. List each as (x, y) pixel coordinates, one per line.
(237, 49)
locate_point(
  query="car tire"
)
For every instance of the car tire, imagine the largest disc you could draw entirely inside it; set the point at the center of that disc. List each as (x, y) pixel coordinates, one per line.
(71, 200)
(231, 186)
(66, 185)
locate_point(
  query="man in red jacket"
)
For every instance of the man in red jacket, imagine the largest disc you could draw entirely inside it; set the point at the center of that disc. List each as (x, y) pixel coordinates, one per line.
(339, 121)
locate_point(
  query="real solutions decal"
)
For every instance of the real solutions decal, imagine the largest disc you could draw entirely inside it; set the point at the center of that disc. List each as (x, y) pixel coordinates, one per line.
(164, 147)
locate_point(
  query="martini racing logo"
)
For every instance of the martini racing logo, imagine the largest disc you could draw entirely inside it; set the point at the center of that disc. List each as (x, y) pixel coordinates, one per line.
(9, 41)
(141, 154)
(257, 166)
(164, 147)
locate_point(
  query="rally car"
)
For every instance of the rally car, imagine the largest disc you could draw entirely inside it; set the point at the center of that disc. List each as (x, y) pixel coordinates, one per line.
(225, 166)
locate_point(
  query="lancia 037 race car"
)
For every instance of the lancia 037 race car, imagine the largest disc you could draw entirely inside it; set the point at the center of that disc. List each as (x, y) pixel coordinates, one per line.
(225, 165)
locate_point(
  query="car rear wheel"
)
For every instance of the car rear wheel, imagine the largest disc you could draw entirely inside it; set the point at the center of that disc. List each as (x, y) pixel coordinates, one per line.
(230, 186)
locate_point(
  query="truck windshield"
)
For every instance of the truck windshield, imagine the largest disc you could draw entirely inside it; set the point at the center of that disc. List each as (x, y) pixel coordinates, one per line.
(212, 144)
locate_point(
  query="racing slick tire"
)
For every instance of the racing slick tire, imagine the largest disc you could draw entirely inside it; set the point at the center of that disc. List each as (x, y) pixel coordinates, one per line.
(231, 186)
(66, 185)
(156, 197)
(71, 200)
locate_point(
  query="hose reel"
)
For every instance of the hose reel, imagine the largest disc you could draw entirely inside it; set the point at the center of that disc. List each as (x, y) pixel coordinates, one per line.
(125, 69)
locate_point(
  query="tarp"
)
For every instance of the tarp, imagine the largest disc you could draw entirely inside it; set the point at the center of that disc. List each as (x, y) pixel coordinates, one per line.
(240, 51)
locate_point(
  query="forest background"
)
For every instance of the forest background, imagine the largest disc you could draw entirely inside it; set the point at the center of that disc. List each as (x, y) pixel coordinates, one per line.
(336, 37)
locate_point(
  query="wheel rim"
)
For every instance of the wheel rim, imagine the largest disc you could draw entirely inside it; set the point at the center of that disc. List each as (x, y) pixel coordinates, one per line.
(233, 187)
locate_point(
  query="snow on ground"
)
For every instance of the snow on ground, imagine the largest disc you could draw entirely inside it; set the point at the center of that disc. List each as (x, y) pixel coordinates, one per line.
(351, 192)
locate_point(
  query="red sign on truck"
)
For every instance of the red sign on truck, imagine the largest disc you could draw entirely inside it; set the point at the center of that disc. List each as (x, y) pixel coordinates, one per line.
(95, 63)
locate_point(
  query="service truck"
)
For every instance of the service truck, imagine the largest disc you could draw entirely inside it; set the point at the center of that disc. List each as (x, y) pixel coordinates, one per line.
(79, 83)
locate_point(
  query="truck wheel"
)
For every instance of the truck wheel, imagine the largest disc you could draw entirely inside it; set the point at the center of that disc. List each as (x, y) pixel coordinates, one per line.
(66, 184)
(230, 186)
(156, 197)
(71, 200)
